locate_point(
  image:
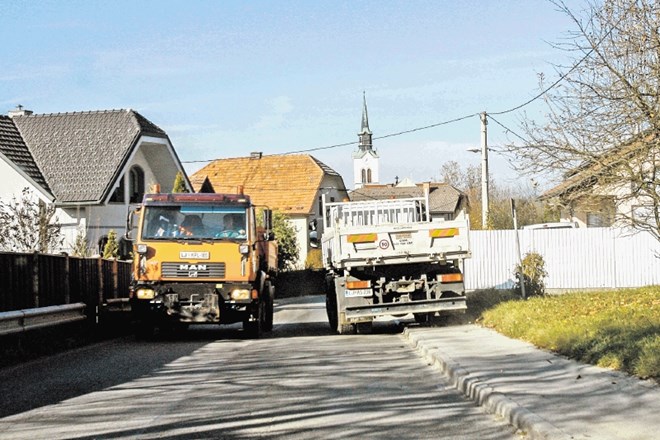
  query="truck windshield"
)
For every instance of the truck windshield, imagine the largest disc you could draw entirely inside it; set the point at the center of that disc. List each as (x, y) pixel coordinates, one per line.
(194, 222)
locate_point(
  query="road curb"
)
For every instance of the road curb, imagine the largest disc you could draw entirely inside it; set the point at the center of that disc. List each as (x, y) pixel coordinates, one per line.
(485, 395)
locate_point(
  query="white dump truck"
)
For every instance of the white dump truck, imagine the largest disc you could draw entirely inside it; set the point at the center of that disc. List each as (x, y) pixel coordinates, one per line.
(388, 257)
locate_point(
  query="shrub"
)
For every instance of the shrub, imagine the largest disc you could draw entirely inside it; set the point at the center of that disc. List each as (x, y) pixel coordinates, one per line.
(533, 273)
(111, 248)
(314, 260)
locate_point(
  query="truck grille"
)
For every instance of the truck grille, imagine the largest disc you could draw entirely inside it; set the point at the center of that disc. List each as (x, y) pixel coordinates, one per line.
(186, 270)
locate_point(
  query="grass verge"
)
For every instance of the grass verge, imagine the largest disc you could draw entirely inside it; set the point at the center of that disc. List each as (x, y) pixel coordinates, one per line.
(614, 329)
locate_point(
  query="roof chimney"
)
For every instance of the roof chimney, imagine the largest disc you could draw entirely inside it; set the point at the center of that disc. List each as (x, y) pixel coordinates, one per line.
(19, 111)
(256, 155)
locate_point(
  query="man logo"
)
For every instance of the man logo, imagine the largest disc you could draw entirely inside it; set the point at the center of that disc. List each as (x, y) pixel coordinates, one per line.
(192, 267)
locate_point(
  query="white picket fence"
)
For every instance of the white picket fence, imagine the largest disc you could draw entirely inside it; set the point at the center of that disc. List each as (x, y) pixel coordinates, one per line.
(580, 258)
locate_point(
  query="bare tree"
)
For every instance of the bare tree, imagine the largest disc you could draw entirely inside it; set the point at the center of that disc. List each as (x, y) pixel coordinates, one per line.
(468, 180)
(27, 224)
(602, 127)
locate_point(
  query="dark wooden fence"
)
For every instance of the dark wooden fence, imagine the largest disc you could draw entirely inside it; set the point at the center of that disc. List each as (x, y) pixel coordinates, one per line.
(36, 280)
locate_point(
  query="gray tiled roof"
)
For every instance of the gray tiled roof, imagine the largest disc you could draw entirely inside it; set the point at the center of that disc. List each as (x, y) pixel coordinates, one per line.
(80, 154)
(14, 149)
(443, 198)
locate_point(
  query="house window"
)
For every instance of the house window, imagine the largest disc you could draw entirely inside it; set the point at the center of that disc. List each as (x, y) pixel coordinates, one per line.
(364, 175)
(369, 175)
(136, 184)
(118, 195)
(596, 220)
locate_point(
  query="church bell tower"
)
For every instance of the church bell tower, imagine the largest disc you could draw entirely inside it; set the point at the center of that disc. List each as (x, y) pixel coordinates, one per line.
(365, 159)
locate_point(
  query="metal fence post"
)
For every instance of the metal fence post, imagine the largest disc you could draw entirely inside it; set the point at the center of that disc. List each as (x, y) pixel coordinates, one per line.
(35, 279)
(99, 299)
(67, 280)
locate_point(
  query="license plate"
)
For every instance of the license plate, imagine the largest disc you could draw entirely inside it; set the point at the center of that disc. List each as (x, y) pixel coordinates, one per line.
(403, 238)
(194, 255)
(358, 292)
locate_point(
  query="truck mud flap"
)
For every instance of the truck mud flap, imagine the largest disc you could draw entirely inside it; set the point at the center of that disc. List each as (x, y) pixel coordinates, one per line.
(429, 306)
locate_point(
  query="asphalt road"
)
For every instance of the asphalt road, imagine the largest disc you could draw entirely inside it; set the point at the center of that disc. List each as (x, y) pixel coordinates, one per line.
(300, 381)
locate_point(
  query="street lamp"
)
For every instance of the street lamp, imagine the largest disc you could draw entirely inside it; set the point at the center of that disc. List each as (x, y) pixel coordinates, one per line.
(484, 170)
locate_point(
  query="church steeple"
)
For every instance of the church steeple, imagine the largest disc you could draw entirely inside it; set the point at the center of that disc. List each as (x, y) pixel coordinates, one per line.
(365, 132)
(365, 159)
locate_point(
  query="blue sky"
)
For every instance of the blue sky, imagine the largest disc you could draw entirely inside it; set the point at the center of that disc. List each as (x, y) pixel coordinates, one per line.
(225, 78)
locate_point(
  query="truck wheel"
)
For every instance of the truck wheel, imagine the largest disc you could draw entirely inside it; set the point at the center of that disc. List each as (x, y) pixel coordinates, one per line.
(254, 329)
(331, 309)
(268, 318)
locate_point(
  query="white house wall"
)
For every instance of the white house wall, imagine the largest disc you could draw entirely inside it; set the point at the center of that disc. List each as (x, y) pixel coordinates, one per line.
(301, 224)
(98, 220)
(13, 183)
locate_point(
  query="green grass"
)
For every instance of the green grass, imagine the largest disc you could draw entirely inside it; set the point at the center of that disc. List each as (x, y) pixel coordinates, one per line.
(614, 329)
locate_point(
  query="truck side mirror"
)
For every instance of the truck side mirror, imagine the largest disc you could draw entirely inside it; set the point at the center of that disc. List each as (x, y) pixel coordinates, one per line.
(313, 234)
(268, 219)
(129, 223)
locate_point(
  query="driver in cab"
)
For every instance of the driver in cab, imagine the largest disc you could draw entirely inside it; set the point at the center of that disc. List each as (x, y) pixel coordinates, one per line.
(232, 227)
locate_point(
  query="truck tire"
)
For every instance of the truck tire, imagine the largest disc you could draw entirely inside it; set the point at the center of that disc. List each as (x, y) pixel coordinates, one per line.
(268, 318)
(331, 306)
(254, 329)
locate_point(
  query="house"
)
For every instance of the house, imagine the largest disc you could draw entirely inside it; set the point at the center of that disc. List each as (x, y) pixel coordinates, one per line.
(445, 201)
(94, 166)
(618, 188)
(291, 184)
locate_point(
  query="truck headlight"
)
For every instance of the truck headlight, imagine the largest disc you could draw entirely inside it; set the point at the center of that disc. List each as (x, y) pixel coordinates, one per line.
(145, 293)
(244, 249)
(141, 248)
(240, 294)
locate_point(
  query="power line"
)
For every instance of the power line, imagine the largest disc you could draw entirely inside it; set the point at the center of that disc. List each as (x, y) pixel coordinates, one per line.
(307, 150)
(426, 127)
(506, 128)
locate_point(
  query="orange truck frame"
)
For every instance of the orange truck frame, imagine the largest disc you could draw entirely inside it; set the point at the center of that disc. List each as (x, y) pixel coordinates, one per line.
(201, 258)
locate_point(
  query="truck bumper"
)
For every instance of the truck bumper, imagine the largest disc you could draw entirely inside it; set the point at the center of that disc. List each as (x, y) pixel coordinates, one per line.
(358, 313)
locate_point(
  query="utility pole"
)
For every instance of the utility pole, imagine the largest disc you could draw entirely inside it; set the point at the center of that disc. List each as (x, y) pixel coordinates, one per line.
(521, 275)
(484, 170)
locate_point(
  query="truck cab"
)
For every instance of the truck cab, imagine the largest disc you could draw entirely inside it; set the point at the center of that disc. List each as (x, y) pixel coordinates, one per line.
(202, 258)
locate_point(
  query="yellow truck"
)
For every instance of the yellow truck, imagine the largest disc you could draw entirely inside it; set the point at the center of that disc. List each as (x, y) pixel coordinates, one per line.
(202, 258)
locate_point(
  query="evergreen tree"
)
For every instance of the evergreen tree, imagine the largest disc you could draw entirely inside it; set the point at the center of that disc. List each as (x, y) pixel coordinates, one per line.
(111, 248)
(179, 184)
